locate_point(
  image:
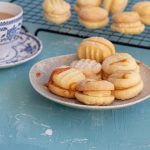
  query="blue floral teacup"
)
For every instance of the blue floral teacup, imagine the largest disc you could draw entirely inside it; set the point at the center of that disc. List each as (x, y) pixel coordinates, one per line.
(10, 26)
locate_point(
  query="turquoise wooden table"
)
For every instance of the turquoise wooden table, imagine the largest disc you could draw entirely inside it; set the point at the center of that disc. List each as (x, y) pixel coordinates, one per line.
(28, 121)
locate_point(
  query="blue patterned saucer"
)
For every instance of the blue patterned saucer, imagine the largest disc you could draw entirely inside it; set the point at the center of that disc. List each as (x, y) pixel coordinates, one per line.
(23, 49)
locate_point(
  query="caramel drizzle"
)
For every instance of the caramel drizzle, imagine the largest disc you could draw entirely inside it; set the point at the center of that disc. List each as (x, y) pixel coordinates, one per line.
(58, 71)
(123, 60)
(38, 74)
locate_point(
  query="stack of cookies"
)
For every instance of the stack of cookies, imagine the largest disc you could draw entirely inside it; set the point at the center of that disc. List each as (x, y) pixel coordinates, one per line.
(63, 81)
(99, 76)
(143, 9)
(82, 3)
(122, 70)
(127, 23)
(56, 11)
(115, 6)
(93, 92)
(92, 16)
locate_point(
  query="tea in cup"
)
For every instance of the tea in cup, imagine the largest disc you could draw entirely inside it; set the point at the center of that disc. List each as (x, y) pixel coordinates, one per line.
(11, 16)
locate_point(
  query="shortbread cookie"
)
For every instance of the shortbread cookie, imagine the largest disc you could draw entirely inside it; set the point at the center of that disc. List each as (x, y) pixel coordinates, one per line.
(92, 85)
(91, 92)
(119, 62)
(63, 81)
(115, 6)
(90, 68)
(128, 93)
(60, 91)
(93, 17)
(105, 76)
(143, 9)
(123, 80)
(127, 23)
(97, 93)
(67, 78)
(56, 11)
(95, 76)
(95, 48)
(82, 3)
(94, 100)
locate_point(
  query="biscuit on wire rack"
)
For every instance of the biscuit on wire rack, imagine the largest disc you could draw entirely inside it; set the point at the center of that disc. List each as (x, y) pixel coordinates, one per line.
(93, 17)
(56, 11)
(115, 6)
(84, 3)
(143, 9)
(127, 23)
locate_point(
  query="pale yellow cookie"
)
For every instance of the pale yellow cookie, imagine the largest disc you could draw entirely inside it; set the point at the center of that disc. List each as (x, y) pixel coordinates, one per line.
(129, 92)
(90, 68)
(57, 19)
(93, 17)
(96, 76)
(123, 80)
(97, 93)
(91, 85)
(95, 48)
(127, 23)
(56, 11)
(61, 91)
(119, 62)
(82, 3)
(91, 92)
(115, 6)
(67, 78)
(105, 76)
(143, 9)
(94, 100)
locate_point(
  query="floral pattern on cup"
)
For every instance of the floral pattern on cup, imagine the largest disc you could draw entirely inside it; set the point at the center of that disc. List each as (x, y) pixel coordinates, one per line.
(8, 32)
(11, 33)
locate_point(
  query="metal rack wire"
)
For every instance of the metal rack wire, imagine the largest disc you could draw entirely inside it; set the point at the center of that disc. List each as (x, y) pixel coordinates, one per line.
(33, 14)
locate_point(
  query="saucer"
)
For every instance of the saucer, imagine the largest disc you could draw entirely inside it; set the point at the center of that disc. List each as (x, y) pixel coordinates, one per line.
(23, 49)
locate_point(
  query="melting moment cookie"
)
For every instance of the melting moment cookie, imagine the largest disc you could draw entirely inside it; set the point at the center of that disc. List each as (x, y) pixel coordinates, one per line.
(95, 48)
(56, 11)
(118, 62)
(93, 17)
(127, 23)
(83, 3)
(127, 84)
(143, 9)
(91, 92)
(90, 68)
(63, 81)
(115, 6)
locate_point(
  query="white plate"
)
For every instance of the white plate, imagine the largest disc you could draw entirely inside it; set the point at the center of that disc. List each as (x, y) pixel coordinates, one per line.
(39, 76)
(23, 49)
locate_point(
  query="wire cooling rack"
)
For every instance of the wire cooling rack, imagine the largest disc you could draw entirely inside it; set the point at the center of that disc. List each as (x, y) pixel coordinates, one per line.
(33, 14)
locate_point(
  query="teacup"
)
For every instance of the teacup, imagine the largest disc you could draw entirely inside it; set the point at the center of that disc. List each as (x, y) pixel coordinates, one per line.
(11, 16)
